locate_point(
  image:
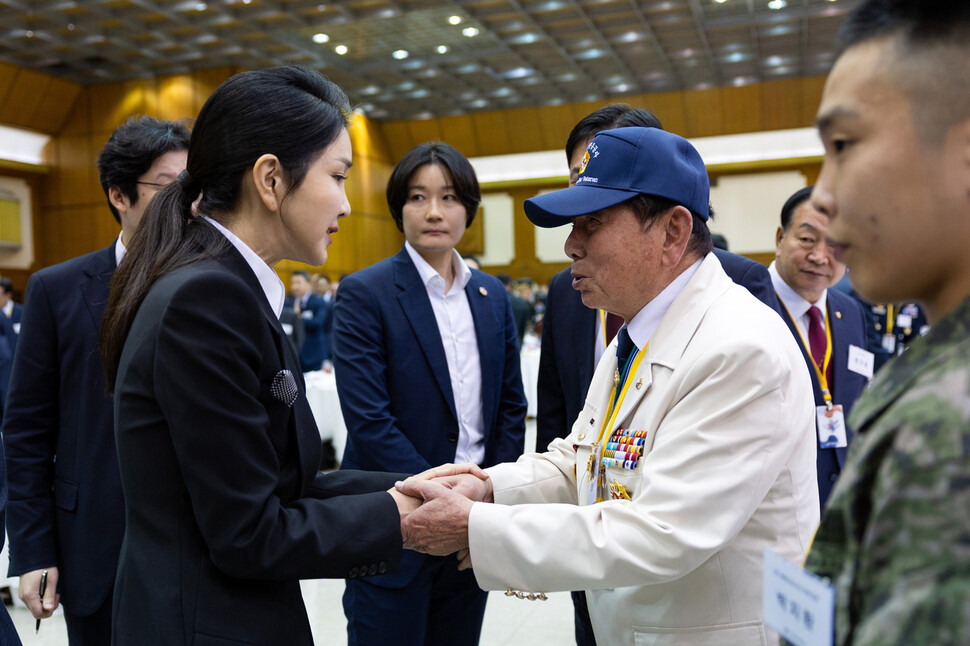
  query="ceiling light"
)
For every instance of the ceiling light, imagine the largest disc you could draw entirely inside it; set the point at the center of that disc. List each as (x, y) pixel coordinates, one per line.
(70, 27)
(29, 34)
(524, 39)
(455, 20)
(478, 103)
(340, 49)
(630, 37)
(720, 1)
(442, 49)
(320, 38)
(201, 6)
(590, 53)
(777, 4)
(247, 1)
(502, 92)
(469, 32)
(774, 61)
(468, 68)
(400, 54)
(517, 73)
(369, 90)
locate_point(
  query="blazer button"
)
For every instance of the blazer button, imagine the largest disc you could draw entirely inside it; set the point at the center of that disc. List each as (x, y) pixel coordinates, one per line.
(382, 568)
(354, 572)
(372, 570)
(833, 477)
(452, 437)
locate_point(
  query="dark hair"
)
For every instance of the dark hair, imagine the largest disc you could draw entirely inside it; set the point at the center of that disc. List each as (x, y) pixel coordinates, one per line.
(132, 149)
(793, 203)
(615, 115)
(436, 153)
(6, 285)
(719, 241)
(301, 272)
(647, 208)
(292, 112)
(931, 68)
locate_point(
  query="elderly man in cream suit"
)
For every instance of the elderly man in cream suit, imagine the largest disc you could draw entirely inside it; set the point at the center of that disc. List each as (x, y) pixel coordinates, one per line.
(695, 450)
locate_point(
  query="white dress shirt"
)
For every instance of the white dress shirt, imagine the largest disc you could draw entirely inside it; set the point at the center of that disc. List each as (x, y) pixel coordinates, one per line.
(457, 329)
(796, 305)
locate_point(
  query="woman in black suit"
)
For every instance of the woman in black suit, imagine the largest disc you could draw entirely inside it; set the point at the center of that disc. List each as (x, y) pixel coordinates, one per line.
(217, 445)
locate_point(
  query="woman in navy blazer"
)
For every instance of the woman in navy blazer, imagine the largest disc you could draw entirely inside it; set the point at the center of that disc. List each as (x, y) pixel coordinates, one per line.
(217, 446)
(410, 392)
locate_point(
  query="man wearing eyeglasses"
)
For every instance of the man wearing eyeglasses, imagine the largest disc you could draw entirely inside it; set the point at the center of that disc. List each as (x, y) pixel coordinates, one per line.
(828, 325)
(65, 514)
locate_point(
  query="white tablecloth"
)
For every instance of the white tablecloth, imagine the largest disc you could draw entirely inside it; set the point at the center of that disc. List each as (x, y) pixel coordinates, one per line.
(321, 393)
(529, 361)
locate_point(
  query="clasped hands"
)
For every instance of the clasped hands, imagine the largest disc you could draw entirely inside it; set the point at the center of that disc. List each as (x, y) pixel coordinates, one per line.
(435, 506)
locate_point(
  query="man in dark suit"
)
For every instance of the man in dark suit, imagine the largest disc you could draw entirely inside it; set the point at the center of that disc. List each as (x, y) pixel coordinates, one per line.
(315, 313)
(828, 324)
(66, 513)
(575, 336)
(8, 634)
(428, 373)
(12, 310)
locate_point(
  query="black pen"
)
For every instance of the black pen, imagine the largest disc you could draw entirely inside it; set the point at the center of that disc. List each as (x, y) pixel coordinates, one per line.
(43, 589)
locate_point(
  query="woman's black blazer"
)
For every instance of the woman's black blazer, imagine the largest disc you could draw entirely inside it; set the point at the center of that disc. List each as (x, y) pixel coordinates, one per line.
(225, 509)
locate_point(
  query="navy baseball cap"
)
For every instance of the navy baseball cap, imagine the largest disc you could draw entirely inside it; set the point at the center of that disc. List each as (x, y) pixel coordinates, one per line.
(622, 163)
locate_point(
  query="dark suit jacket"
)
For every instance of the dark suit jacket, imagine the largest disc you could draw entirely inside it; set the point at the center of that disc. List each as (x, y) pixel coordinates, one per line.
(225, 508)
(67, 512)
(392, 374)
(316, 320)
(8, 634)
(848, 323)
(8, 344)
(566, 357)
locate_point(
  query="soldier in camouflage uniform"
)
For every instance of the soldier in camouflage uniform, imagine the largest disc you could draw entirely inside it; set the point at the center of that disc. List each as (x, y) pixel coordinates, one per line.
(895, 121)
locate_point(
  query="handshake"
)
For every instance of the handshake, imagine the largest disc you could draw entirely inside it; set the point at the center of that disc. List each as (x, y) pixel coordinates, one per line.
(435, 506)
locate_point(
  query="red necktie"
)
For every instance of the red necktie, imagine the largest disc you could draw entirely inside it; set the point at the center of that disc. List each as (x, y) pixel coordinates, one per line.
(613, 325)
(816, 339)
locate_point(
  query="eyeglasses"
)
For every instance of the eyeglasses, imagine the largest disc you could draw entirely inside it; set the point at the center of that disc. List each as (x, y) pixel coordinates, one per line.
(154, 184)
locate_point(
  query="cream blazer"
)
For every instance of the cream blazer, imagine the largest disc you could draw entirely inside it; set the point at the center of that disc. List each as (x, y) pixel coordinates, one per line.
(728, 470)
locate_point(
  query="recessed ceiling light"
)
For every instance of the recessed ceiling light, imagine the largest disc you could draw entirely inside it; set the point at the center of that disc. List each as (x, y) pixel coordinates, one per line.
(400, 54)
(201, 6)
(517, 73)
(720, 1)
(442, 49)
(320, 38)
(455, 20)
(29, 34)
(478, 103)
(777, 4)
(590, 53)
(340, 49)
(70, 27)
(774, 61)
(469, 32)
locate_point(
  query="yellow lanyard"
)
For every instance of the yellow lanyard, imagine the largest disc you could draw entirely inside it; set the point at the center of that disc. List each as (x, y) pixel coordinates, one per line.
(820, 372)
(890, 321)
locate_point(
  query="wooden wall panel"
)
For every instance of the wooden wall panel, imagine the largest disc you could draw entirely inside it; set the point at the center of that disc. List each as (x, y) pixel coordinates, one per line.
(397, 134)
(741, 109)
(23, 98)
(34, 100)
(782, 105)
(525, 127)
(424, 130)
(176, 98)
(459, 131)
(493, 134)
(704, 112)
(811, 97)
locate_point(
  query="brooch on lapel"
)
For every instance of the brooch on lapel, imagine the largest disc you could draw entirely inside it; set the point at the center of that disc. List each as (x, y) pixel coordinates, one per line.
(284, 387)
(483, 291)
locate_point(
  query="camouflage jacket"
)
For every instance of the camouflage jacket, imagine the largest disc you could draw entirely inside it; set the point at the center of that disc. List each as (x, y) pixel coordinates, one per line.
(895, 537)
